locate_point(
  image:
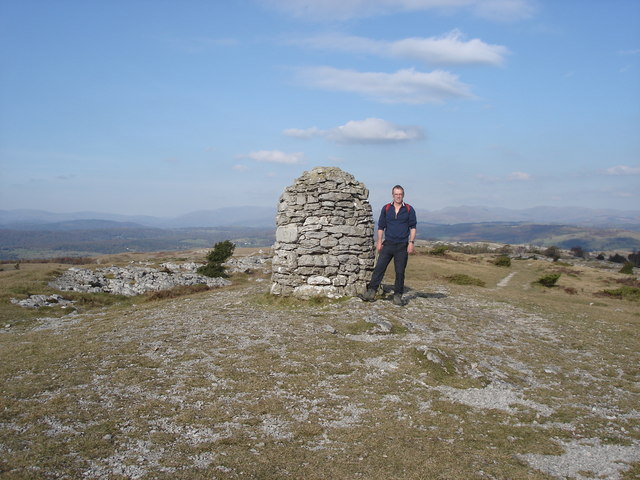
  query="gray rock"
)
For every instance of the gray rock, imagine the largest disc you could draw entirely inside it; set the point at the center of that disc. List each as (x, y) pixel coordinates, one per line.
(324, 236)
(129, 281)
(37, 301)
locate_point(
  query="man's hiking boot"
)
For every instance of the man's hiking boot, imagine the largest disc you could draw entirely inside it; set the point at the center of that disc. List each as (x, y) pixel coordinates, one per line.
(397, 300)
(369, 295)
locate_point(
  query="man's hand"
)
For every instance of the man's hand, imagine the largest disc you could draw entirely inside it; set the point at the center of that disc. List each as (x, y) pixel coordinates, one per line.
(379, 246)
(410, 248)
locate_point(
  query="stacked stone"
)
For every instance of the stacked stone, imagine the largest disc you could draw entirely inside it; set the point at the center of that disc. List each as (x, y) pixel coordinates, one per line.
(324, 236)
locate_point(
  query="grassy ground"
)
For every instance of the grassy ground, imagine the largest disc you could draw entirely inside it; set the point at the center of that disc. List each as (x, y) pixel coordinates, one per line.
(503, 382)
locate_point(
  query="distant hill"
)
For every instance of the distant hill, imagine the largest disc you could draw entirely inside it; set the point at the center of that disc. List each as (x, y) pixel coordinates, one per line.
(237, 216)
(28, 234)
(563, 236)
(605, 218)
(264, 217)
(60, 241)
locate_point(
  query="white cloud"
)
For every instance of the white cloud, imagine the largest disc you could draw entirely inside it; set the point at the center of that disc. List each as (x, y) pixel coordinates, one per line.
(240, 168)
(373, 130)
(275, 156)
(500, 10)
(519, 176)
(512, 177)
(303, 133)
(623, 170)
(370, 130)
(449, 49)
(403, 86)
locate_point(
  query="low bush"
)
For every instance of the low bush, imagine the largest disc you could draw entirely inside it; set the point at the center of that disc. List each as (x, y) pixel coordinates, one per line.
(548, 280)
(577, 252)
(552, 252)
(462, 279)
(221, 252)
(502, 261)
(627, 268)
(617, 258)
(439, 250)
(474, 249)
(625, 292)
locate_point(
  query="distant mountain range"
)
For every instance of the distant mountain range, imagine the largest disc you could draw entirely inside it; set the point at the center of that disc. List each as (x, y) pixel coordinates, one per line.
(264, 217)
(602, 218)
(26, 234)
(234, 216)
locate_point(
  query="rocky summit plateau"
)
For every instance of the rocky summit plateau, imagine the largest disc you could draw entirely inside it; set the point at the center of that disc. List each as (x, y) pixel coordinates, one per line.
(483, 374)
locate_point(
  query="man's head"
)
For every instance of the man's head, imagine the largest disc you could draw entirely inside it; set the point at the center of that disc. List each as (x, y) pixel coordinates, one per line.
(398, 194)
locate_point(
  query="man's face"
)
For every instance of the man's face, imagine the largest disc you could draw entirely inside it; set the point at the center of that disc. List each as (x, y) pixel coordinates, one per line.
(398, 195)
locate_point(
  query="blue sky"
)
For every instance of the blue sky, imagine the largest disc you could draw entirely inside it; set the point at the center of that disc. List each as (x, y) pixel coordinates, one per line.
(163, 107)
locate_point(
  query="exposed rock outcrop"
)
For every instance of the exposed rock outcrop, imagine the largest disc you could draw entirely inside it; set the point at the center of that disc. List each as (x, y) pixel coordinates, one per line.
(129, 281)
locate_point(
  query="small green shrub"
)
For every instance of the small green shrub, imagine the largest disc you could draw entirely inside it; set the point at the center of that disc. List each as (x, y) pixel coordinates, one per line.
(548, 280)
(617, 258)
(625, 292)
(439, 250)
(462, 279)
(627, 268)
(216, 257)
(502, 261)
(577, 252)
(552, 252)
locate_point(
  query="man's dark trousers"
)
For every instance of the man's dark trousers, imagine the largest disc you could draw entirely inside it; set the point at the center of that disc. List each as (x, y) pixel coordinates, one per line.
(397, 251)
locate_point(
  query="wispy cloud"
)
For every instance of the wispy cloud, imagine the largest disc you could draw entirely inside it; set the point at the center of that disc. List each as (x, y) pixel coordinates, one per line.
(512, 177)
(633, 51)
(68, 176)
(449, 49)
(519, 176)
(623, 170)
(304, 133)
(502, 10)
(240, 168)
(497, 10)
(197, 45)
(403, 86)
(370, 130)
(275, 156)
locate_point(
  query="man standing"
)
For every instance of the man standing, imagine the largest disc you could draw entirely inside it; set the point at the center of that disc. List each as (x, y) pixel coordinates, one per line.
(398, 223)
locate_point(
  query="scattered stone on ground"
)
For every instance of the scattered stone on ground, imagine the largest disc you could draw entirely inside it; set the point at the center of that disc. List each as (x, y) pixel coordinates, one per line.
(129, 281)
(37, 301)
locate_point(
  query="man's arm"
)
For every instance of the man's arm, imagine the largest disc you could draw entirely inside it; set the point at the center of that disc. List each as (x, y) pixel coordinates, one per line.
(379, 242)
(412, 238)
(413, 223)
(382, 224)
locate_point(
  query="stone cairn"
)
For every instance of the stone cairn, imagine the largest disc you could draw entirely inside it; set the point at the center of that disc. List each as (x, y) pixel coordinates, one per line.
(324, 237)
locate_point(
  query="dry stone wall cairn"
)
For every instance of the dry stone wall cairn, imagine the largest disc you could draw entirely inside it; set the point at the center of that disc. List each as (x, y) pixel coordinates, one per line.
(324, 237)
